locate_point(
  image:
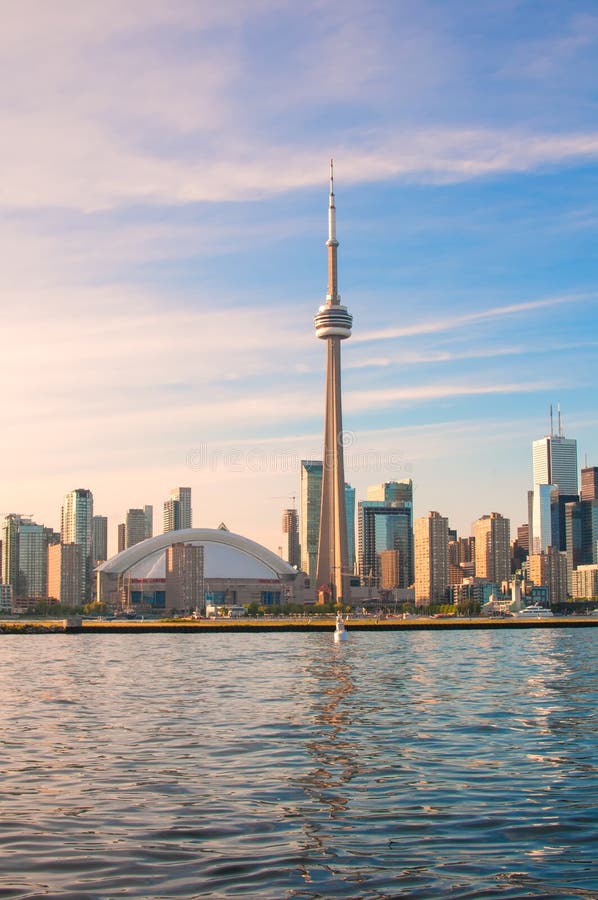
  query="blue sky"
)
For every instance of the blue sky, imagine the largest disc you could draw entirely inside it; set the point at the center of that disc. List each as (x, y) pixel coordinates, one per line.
(162, 224)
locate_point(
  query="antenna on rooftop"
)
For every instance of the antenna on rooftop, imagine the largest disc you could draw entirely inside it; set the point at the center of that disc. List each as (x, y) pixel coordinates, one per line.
(551, 423)
(560, 423)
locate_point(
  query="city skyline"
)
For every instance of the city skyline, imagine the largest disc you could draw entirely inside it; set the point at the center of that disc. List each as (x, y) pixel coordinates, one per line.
(164, 179)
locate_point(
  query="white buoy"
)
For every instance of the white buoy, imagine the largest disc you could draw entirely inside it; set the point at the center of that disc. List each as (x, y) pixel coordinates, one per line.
(340, 632)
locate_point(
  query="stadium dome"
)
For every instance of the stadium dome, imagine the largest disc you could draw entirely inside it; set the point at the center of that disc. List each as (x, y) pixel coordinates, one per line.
(226, 556)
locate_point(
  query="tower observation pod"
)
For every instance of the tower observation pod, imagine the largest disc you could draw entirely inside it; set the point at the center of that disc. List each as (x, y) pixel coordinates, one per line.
(333, 324)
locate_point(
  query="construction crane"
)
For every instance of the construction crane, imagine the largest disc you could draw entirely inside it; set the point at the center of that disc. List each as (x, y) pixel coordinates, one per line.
(287, 497)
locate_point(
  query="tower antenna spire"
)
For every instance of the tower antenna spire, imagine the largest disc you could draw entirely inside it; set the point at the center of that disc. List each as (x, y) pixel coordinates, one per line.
(551, 422)
(560, 423)
(333, 324)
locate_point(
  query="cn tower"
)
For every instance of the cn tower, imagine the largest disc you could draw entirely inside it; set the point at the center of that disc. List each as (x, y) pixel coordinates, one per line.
(333, 325)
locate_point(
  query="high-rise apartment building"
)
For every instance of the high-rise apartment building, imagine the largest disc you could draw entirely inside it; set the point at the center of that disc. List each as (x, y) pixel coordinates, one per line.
(76, 528)
(122, 537)
(550, 570)
(135, 526)
(64, 574)
(290, 528)
(431, 558)
(585, 582)
(24, 564)
(99, 539)
(177, 510)
(492, 548)
(184, 577)
(10, 549)
(33, 564)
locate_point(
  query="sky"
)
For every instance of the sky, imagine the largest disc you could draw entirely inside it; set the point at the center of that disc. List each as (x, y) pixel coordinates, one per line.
(163, 217)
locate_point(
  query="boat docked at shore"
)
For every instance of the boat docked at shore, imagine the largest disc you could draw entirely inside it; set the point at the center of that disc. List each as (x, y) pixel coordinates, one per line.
(534, 611)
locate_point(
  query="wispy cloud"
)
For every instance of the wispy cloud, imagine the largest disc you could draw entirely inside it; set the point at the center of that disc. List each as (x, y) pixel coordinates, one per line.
(431, 356)
(453, 323)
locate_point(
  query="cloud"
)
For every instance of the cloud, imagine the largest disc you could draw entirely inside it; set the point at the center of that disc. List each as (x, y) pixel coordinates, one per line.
(458, 321)
(431, 357)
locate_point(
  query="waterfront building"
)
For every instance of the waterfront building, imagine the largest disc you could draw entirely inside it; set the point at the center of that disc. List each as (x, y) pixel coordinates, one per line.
(76, 528)
(492, 548)
(385, 526)
(549, 570)
(5, 599)
(290, 527)
(177, 510)
(23, 557)
(99, 539)
(585, 582)
(431, 558)
(184, 577)
(237, 571)
(10, 549)
(33, 566)
(135, 526)
(64, 574)
(333, 325)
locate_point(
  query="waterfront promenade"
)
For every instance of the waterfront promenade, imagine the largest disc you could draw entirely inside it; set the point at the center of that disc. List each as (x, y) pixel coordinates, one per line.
(313, 623)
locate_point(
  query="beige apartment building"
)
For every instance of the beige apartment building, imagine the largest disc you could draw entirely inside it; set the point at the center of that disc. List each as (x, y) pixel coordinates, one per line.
(431, 558)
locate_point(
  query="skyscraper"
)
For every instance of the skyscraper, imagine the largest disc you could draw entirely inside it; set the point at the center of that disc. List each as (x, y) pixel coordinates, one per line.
(554, 460)
(76, 528)
(64, 573)
(431, 558)
(492, 548)
(311, 500)
(99, 539)
(177, 510)
(135, 526)
(290, 527)
(350, 508)
(589, 483)
(24, 564)
(148, 512)
(384, 526)
(333, 324)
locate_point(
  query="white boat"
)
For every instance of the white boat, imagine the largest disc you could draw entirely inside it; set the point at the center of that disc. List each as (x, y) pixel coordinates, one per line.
(535, 611)
(340, 632)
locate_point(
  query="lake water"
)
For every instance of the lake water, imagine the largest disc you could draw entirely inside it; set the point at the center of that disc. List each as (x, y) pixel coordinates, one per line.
(427, 764)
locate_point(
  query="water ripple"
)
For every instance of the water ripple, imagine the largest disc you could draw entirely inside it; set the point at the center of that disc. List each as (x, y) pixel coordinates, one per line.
(283, 766)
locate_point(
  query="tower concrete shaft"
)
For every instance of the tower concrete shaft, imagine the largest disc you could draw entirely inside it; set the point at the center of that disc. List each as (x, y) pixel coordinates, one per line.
(333, 324)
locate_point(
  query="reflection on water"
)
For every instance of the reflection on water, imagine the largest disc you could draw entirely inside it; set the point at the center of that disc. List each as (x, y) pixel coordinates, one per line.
(275, 766)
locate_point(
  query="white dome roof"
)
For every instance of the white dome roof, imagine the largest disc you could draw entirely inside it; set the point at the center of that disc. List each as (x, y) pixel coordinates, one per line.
(226, 555)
